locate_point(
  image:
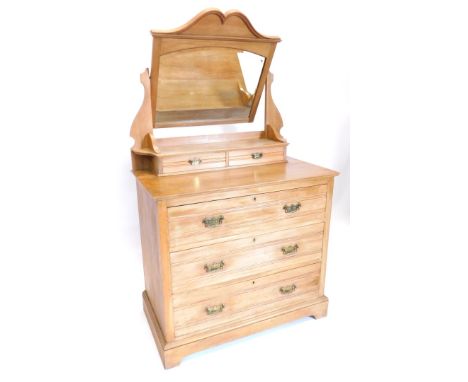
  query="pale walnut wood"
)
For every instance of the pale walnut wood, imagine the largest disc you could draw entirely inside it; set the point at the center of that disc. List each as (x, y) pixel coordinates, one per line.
(172, 353)
(200, 336)
(310, 254)
(244, 258)
(156, 260)
(222, 142)
(249, 243)
(273, 120)
(217, 25)
(207, 238)
(216, 143)
(243, 300)
(253, 215)
(197, 296)
(222, 34)
(142, 126)
(254, 200)
(171, 45)
(217, 152)
(255, 156)
(218, 155)
(234, 234)
(237, 182)
(188, 298)
(191, 230)
(192, 162)
(326, 231)
(196, 79)
(270, 187)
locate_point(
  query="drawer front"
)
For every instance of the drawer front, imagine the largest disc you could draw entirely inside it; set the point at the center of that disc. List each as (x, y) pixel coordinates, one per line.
(256, 156)
(223, 205)
(243, 258)
(209, 308)
(211, 222)
(193, 162)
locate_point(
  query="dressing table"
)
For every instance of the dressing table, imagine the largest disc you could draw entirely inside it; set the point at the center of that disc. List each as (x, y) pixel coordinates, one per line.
(234, 233)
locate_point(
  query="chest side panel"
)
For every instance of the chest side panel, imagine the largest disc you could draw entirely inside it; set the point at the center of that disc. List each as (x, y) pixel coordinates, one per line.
(156, 265)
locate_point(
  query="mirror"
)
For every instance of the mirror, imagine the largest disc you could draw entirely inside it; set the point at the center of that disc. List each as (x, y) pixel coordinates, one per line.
(206, 85)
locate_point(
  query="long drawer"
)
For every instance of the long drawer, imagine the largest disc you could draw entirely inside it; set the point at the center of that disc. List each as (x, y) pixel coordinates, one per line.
(208, 308)
(241, 258)
(210, 222)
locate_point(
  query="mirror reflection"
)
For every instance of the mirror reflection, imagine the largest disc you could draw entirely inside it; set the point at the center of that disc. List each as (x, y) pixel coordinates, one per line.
(206, 85)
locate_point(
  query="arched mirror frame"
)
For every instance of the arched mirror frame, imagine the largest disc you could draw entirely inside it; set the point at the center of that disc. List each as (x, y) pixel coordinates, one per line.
(212, 29)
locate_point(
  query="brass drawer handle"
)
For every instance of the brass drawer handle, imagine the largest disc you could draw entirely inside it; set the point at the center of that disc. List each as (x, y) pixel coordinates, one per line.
(256, 155)
(195, 161)
(288, 289)
(291, 208)
(214, 266)
(213, 221)
(214, 309)
(290, 249)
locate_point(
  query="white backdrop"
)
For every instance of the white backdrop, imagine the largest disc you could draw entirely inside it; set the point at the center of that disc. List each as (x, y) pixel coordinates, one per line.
(70, 262)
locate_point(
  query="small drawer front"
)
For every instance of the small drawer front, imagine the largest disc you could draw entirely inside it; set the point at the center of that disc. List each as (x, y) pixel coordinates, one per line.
(256, 156)
(210, 222)
(243, 258)
(193, 162)
(210, 308)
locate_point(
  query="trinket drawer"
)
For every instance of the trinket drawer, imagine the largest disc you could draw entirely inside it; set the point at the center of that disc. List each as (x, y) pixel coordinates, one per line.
(229, 253)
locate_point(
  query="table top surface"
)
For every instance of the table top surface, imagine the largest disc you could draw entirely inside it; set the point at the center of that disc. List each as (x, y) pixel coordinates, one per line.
(230, 178)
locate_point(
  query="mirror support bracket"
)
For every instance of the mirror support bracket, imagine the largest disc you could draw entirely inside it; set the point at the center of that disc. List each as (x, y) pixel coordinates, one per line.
(273, 120)
(142, 126)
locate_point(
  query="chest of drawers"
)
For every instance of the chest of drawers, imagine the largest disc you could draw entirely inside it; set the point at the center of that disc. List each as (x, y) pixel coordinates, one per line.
(230, 253)
(234, 234)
